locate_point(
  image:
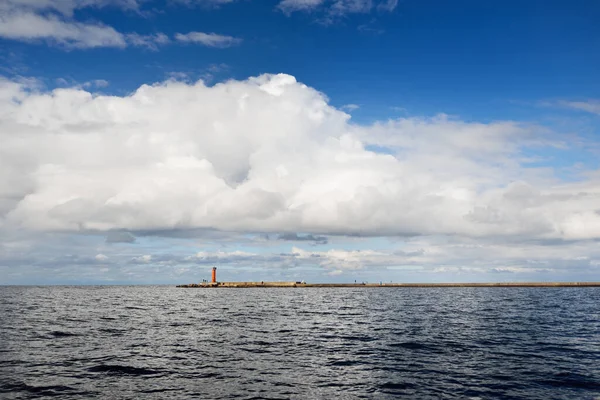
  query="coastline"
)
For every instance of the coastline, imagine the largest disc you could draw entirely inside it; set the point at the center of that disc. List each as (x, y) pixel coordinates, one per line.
(382, 285)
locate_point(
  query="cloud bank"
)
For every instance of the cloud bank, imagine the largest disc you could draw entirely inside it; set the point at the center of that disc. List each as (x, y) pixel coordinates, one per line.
(270, 155)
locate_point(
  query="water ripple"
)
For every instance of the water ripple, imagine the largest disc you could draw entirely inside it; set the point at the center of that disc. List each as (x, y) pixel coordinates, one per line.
(276, 343)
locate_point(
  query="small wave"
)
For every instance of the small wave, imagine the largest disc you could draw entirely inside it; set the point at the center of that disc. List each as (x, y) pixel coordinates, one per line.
(558, 349)
(210, 375)
(215, 321)
(359, 338)
(112, 331)
(344, 363)
(397, 386)
(455, 346)
(283, 384)
(157, 390)
(74, 320)
(256, 351)
(53, 390)
(123, 370)
(566, 379)
(572, 383)
(270, 398)
(136, 345)
(500, 377)
(410, 345)
(262, 343)
(62, 334)
(175, 324)
(331, 384)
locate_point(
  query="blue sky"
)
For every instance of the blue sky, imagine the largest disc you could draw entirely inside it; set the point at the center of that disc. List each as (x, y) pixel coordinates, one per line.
(469, 58)
(330, 140)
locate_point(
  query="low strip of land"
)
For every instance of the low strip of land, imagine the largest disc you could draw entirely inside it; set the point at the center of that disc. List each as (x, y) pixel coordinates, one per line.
(372, 285)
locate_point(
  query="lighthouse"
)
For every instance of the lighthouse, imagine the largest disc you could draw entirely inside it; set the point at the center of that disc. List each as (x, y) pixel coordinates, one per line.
(214, 275)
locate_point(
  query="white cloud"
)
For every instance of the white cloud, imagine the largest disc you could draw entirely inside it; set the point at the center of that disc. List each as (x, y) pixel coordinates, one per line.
(342, 7)
(65, 7)
(387, 5)
(350, 107)
(208, 39)
(337, 8)
(339, 260)
(289, 6)
(372, 27)
(178, 76)
(96, 83)
(149, 41)
(271, 155)
(418, 259)
(29, 26)
(145, 259)
(591, 106)
(52, 21)
(203, 3)
(221, 255)
(99, 83)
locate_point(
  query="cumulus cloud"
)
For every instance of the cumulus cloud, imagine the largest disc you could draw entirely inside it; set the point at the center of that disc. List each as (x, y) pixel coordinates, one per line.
(270, 155)
(339, 260)
(144, 259)
(208, 39)
(231, 257)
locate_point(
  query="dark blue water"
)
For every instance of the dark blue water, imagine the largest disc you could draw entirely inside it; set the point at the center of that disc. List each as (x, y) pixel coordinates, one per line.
(303, 343)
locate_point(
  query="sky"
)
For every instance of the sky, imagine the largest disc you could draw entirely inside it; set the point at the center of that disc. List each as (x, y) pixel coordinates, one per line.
(144, 142)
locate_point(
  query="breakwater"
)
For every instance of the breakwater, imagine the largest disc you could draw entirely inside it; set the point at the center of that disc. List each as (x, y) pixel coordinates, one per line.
(374, 285)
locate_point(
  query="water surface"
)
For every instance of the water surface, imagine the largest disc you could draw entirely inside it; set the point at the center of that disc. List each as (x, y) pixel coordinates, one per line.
(303, 343)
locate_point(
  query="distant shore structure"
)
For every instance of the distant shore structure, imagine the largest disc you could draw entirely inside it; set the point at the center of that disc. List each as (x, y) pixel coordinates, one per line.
(215, 284)
(384, 285)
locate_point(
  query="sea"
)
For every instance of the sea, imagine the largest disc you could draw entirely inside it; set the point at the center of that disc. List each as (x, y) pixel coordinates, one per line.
(163, 342)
